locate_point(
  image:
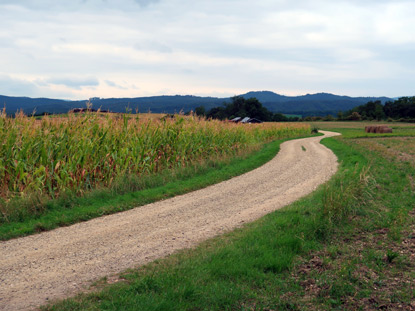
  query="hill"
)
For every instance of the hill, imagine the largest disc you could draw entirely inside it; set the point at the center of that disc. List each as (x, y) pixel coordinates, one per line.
(310, 104)
(157, 104)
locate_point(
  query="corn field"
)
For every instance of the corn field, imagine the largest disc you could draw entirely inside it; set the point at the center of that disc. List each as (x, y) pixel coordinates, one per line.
(81, 151)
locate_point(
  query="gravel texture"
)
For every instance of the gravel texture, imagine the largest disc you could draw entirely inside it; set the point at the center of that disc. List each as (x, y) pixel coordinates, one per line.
(62, 262)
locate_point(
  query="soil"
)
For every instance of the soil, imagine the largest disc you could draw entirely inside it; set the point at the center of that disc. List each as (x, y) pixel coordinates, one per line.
(56, 264)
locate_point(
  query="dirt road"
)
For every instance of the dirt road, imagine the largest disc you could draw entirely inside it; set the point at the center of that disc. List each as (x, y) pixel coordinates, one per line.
(56, 264)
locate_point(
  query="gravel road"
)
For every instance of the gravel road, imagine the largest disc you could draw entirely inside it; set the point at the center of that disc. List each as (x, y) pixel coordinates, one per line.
(60, 263)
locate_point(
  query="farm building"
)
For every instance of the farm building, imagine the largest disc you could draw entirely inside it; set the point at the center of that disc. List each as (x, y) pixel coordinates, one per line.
(245, 120)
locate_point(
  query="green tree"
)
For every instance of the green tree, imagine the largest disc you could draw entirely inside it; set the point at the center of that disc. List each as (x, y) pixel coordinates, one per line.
(370, 111)
(279, 117)
(200, 111)
(404, 107)
(355, 116)
(241, 107)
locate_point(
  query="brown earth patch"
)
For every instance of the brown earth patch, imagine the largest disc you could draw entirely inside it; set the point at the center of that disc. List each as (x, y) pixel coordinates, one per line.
(370, 271)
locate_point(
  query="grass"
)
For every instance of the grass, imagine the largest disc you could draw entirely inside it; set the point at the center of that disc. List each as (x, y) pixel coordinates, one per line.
(356, 129)
(370, 264)
(348, 246)
(329, 125)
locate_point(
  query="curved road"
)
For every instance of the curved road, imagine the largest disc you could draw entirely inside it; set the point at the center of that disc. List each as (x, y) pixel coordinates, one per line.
(59, 263)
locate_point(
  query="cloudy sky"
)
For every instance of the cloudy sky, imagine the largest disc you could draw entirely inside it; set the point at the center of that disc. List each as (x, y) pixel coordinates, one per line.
(75, 49)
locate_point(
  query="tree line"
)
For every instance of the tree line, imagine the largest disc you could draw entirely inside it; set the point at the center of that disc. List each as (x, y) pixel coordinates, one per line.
(402, 109)
(242, 107)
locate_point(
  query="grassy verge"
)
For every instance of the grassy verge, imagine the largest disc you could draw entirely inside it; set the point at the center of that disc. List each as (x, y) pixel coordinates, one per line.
(370, 264)
(132, 192)
(349, 245)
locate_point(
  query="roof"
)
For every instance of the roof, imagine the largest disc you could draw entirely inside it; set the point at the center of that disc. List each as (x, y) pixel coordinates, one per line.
(245, 120)
(237, 119)
(253, 120)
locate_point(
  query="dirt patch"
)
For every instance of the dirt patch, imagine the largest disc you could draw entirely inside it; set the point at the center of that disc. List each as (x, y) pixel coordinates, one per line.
(62, 262)
(369, 271)
(399, 149)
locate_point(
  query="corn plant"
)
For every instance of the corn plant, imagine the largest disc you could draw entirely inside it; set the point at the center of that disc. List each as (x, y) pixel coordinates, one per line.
(78, 152)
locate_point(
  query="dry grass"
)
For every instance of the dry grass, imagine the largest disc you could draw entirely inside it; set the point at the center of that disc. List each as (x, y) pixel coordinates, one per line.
(401, 149)
(359, 124)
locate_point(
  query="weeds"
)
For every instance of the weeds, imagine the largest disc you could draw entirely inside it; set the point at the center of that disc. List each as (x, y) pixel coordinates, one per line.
(348, 196)
(391, 255)
(314, 129)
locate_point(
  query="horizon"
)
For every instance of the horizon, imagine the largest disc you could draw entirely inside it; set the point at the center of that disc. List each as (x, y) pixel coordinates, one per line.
(142, 48)
(172, 95)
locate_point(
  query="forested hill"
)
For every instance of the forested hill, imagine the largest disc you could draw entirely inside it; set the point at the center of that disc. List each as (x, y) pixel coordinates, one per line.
(168, 104)
(316, 104)
(310, 104)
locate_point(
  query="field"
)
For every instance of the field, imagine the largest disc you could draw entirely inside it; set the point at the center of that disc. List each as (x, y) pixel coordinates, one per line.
(348, 246)
(78, 153)
(357, 125)
(47, 164)
(354, 129)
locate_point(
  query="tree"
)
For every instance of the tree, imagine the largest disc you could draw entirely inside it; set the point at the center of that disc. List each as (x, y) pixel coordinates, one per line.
(217, 113)
(241, 107)
(329, 117)
(200, 111)
(370, 111)
(279, 117)
(404, 107)
(355, 116)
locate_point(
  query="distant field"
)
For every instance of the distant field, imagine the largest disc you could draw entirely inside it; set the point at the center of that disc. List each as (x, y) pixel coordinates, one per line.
(357, 129)
(359, 124)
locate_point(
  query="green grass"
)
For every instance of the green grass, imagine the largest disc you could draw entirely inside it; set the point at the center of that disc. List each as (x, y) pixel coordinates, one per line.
(369, 264)
(339, 248)
(130, 193)
(355, 129)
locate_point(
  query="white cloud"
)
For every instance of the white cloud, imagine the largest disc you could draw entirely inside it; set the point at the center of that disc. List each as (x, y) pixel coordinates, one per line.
(74, 82)
(197, 47)
(13, 86)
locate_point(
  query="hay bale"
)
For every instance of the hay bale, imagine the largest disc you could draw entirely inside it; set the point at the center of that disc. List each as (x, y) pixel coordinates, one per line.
(369, 129)
(385, 130)
(378, 129)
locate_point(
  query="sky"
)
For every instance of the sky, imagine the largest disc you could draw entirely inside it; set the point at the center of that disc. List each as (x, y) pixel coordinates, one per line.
(77, 49)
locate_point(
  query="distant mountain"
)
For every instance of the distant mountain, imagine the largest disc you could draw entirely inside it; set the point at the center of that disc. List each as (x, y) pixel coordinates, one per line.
(310, 104)
(40, 105)
(157, 104)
